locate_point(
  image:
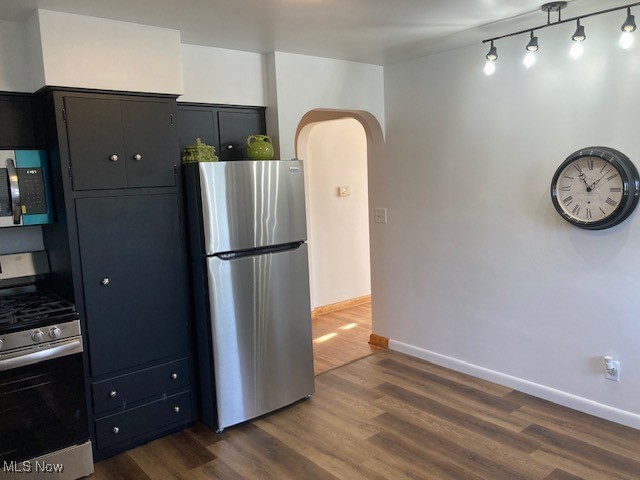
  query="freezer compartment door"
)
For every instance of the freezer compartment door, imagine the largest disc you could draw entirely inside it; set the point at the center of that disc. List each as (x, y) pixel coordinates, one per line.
(250, 204)
(261, 333)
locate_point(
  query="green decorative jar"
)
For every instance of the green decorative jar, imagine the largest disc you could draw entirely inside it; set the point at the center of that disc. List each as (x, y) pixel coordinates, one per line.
(259, 147)
(199, 152)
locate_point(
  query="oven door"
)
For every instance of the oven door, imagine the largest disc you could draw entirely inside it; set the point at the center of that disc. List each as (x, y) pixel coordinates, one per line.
(42, 400)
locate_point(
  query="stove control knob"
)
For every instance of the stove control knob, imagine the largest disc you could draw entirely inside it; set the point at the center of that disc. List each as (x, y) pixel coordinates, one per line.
(55, 332)
(37, 336)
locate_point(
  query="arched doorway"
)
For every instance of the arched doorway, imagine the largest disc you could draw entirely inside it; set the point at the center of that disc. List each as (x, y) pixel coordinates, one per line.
(336, 147)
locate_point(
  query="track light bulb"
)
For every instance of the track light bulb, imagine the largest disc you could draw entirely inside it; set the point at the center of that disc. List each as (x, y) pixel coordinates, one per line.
(532, 46)
(489, 67)
(529, 59)
(576, 50)
(626, 40)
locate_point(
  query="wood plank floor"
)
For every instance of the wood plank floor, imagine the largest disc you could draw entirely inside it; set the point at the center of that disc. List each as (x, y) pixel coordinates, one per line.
(341, 337)
(390, 416)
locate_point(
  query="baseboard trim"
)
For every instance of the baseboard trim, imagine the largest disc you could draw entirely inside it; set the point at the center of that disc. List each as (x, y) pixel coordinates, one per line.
(556, 396)
(378, 341)
(334, 307)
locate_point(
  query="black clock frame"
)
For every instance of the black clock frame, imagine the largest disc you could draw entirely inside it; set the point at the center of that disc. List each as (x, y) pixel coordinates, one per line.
(630, 190)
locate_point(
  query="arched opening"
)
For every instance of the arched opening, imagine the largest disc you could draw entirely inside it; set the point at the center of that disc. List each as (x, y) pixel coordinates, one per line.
(336, 147)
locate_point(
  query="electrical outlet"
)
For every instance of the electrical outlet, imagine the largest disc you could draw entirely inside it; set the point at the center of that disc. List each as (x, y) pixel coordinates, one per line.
(380, 215)
(613, 375)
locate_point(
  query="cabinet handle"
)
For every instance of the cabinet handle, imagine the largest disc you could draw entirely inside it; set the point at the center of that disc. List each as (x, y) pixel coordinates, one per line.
(174, 376)
(137, 157)
(113, 158)
(176, 409)
(105, 281)
(113, 394)
(116, 430)
(229, 147)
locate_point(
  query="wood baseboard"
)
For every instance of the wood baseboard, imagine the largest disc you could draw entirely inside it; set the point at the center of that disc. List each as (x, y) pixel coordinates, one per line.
(378, 341)
(334, 307)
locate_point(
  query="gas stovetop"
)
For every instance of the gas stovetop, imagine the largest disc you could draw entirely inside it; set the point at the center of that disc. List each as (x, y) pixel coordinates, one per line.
(26, 310)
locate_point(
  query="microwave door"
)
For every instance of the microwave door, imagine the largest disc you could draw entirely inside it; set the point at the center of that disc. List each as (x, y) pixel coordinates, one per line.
(14, 191)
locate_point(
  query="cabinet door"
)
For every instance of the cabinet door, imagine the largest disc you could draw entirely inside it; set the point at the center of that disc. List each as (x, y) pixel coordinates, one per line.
(16, 119)
(235, 127)
(133, 278)
(197, 122)
(150, 143)
(96, 147)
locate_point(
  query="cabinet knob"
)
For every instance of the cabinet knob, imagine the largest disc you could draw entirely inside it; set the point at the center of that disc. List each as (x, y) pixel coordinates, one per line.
(137, 157)
(229, 147)
(113, 158)
(176, 409)
(113, 394)
(105, 281)
(116, 430)
(174, 376)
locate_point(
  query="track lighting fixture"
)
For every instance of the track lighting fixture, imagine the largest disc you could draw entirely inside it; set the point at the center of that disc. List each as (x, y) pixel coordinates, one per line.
(628, 27)
(492, 56)
(626, 39)
(532, 47)
(578, 37)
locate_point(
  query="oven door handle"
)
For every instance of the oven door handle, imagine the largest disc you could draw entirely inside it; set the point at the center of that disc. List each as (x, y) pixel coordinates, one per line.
(14, 187)
(57, 351)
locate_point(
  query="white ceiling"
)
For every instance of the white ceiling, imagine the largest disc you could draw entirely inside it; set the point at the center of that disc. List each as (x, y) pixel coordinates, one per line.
(371, 31)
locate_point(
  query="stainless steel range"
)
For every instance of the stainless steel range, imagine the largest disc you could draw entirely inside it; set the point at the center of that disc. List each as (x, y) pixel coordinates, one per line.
(43, 417)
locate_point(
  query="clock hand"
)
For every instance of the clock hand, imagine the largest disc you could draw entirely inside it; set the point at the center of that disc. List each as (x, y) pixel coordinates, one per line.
(582, 177)
(598, 180)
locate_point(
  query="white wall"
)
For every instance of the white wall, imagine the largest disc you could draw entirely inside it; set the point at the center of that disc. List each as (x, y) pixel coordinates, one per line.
(338, 226)
(475, 269)
(90, 52)
(14, 58)
(218, 75)
(305, 83)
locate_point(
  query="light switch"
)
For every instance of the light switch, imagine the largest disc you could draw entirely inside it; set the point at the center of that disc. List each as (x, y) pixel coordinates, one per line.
(344, 191)
(380, 215)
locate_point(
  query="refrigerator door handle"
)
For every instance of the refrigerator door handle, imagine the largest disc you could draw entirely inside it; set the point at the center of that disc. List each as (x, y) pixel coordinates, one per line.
(259, 251)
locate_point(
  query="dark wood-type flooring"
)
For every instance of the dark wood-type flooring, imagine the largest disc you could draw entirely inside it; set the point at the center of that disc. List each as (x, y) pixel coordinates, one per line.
(341, 337)
(390, 416)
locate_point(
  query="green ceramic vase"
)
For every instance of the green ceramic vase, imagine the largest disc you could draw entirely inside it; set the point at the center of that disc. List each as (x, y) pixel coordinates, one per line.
(259, 147)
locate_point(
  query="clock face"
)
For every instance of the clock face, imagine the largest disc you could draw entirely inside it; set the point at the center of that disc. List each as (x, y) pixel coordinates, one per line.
(590, 189)
(595, 188)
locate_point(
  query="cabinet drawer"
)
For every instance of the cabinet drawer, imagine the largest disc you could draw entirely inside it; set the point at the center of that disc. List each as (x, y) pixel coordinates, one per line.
(121, 391)
(143, 420)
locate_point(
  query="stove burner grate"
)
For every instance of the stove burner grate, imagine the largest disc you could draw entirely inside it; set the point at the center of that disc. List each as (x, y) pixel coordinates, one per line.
(32, 306)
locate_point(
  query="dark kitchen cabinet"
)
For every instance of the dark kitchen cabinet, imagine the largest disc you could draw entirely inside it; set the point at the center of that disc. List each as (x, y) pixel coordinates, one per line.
(120, 243)
(131, 254)
(224, 127)
(17, 121)
(120, 143)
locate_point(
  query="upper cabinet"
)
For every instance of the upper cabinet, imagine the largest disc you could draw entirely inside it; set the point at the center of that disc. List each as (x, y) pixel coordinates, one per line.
(17, 121)
(227, 128)
(121, 143)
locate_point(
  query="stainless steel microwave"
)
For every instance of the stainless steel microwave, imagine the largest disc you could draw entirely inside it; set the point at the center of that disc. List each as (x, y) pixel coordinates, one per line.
(25, 198)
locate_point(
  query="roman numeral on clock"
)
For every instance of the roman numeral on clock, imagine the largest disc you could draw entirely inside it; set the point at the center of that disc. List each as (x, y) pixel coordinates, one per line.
(577, 167)
(615, 189)
(576, 210)
(590, 164)
(612, 177)
(566, 189)
(611, 202)
(567, 201)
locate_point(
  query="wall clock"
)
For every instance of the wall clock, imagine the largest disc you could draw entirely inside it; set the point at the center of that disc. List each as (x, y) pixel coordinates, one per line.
(595, 188)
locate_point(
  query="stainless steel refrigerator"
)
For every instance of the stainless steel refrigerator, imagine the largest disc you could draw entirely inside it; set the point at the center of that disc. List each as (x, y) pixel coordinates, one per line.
(251, 287)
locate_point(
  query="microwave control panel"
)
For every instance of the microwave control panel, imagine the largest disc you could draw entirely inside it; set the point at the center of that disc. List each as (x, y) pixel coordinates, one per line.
(25, 198)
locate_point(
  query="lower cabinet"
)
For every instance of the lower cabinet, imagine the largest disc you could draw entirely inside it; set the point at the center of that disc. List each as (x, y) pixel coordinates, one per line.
(123, 427)
(133, 276)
